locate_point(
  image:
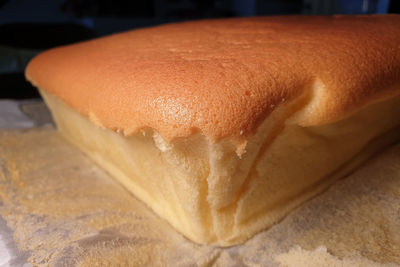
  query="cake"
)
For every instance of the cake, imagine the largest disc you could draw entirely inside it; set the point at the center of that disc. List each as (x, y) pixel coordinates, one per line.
(223, 126)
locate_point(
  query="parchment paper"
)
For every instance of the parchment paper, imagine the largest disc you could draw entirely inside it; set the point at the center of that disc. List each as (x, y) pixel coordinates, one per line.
(65, 211)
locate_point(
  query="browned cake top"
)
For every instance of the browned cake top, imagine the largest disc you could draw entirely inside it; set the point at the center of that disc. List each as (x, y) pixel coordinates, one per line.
(223, 77)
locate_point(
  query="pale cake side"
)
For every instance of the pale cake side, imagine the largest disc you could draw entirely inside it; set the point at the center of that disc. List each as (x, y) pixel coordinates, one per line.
(213, 196)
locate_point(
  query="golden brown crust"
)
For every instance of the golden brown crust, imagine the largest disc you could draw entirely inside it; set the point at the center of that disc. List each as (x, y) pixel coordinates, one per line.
(223, 77)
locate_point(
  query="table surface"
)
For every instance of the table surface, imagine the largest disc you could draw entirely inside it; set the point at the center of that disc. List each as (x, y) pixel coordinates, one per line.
(12, 116)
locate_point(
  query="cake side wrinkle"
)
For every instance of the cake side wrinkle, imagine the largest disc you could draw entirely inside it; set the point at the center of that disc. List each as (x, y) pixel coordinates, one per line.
(176, 78)
(241, 166)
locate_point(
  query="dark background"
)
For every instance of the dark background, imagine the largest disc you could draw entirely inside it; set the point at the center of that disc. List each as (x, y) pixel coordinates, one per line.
(30, 26)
